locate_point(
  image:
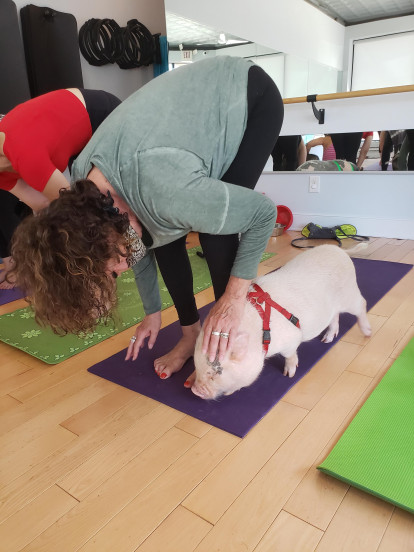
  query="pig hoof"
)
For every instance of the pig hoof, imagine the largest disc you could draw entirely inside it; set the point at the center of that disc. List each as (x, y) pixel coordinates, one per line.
(289, 372)
(328, 337)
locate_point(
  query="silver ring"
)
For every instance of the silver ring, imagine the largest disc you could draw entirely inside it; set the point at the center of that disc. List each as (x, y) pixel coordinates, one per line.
(225, 335)
(215, 333)
(133, 339)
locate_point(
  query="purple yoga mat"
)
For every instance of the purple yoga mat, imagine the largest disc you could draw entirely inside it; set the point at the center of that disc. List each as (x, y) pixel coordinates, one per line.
(9, 295)
(239, 412)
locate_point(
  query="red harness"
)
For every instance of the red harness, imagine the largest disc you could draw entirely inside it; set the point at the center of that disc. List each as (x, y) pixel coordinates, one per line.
(259, 296)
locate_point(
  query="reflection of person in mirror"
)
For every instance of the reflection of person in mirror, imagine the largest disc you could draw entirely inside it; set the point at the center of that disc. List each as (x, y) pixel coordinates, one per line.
(366, 144)
(346, 145)
(289, 152)
(390, 143)
(329, 152)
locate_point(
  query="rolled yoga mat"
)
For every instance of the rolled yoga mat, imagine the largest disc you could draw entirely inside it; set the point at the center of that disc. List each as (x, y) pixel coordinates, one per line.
(376, 452)
(20, 330)
(239, 412)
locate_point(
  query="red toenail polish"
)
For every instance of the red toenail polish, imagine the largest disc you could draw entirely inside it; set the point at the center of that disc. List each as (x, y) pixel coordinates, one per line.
(187, 384)
(163, 375)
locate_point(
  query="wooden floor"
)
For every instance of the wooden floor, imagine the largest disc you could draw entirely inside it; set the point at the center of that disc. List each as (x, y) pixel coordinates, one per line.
(87, 465)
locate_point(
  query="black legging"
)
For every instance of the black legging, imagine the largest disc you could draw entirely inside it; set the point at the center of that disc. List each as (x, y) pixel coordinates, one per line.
(9, 218)
(387, 149)
(346, 145)
(265, 117)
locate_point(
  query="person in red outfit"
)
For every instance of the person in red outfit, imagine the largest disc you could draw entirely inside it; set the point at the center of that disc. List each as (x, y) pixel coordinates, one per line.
(38, 140)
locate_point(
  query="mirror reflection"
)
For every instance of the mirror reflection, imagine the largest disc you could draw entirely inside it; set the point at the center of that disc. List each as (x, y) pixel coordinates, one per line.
(386, 150)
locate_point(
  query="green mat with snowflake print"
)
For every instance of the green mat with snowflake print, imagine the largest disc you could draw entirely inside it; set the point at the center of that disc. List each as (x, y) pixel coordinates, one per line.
(20, 330)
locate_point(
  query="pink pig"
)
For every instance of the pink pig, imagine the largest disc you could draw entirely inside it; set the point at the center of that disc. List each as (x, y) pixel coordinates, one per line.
(316, 286)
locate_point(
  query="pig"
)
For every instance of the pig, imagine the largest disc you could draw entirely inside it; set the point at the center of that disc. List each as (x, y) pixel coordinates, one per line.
(316, 286)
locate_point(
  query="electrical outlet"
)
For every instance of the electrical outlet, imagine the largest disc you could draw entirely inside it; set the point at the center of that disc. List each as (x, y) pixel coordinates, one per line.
(314, 184)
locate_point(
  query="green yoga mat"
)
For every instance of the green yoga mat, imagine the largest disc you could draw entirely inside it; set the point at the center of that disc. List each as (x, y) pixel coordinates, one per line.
(20, 330)
(376, 452)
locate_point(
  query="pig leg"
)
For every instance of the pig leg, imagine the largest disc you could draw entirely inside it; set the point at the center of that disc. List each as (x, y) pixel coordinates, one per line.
(332, 330)
(359, 309)
(363, 321)
(291, 363)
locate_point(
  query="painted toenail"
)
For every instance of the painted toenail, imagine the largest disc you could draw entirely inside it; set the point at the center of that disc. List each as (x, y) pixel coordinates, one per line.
(187, 384)
(163, 375)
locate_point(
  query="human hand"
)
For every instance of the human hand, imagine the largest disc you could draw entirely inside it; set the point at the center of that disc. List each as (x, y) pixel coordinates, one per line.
(149, 327)
(221, 325)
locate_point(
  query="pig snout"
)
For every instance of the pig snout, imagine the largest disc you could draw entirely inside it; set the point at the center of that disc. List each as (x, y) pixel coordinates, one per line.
(203, 391)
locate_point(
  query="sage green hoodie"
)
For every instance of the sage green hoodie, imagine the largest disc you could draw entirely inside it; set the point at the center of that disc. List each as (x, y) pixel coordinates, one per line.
(164, 150)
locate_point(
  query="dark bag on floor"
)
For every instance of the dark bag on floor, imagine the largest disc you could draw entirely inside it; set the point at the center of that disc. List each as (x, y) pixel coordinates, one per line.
(51, 47)
(14, 88)
(315, 232)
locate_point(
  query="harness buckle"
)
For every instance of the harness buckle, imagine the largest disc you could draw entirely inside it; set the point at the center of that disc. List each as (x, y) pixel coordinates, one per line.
(266, 337)
(294, 320)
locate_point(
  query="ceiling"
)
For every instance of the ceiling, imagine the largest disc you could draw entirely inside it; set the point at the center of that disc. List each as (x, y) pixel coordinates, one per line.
(348, 12)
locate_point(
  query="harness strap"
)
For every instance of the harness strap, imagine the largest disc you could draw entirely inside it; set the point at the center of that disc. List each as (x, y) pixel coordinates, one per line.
(256, 298)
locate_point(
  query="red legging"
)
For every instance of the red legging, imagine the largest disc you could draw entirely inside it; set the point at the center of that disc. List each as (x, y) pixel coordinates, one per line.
(265, 117)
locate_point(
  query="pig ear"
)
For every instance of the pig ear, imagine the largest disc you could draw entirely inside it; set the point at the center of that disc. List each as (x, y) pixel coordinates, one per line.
(240, 346)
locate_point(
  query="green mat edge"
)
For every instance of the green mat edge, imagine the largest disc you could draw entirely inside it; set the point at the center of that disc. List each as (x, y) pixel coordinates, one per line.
(349, 481)
(363, 488)
(266, 255)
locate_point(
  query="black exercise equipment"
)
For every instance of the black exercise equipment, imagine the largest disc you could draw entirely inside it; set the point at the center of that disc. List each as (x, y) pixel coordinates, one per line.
(14, 88)
(50, 41)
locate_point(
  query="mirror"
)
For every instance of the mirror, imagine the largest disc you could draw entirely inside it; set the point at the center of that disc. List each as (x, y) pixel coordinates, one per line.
(369, 151)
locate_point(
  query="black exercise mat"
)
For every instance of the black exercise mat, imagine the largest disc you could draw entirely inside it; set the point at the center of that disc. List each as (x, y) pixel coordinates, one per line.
(14, 88)
(50, 41)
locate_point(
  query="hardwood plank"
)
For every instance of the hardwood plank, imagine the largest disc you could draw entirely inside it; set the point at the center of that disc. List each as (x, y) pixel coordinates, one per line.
(193, 426)
(357, 511)
(32, 452)
(158, 500)
(354, 335)
(392, 300)
(95, 512)
(38, 424)
(386, 340)
(310, 389)
(115, 455)
(7, 404)
(45, 474)
(399, 534)
(224, 484)
(265, 496)
(29, 522)
(403, 343)
(288, 533)
(88, 418)
(25, 375)
(9, 367)
(181, 531)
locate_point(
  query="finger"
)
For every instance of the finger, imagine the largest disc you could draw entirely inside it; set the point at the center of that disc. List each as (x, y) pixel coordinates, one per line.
(213, 347)
(130, 349)
(152, 339)
(223, 344)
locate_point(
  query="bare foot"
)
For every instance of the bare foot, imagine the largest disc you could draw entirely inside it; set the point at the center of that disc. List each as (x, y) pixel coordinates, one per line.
(8, 264)
(174, 360)
(6, 285)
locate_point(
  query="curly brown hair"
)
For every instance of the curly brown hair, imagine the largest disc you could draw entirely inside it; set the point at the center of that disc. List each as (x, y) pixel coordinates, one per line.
(61, 257)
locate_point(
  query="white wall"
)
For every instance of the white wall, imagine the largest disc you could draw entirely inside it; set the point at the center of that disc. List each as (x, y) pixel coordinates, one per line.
(121, 82)
(293, 27)
(385, 27)
(387, 111)
(377, 204)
